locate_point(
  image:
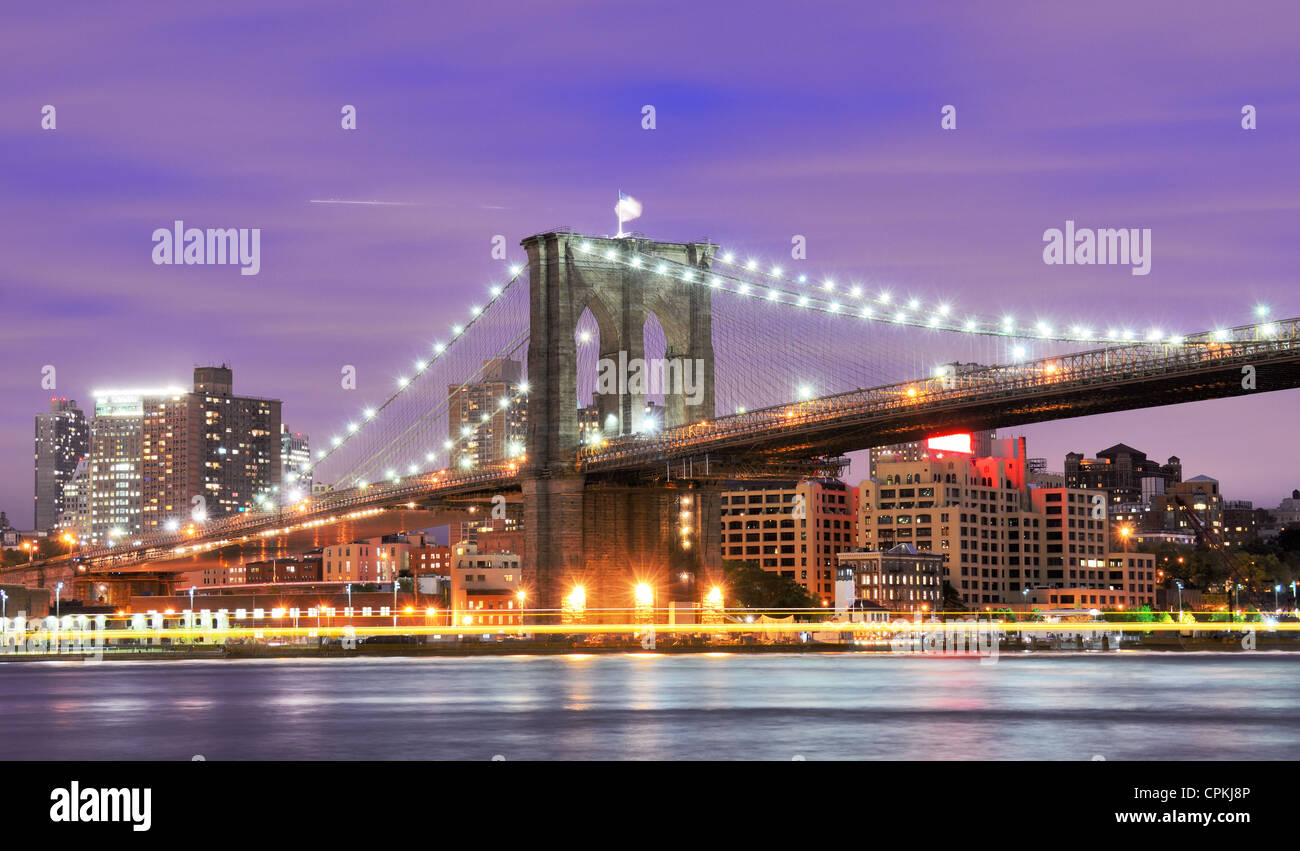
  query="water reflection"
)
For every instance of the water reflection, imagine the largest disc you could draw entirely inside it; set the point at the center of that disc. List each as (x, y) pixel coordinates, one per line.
(646, 706)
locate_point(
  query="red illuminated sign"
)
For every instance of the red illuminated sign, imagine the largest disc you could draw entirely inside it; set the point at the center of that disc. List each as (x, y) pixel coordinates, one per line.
(951, 443)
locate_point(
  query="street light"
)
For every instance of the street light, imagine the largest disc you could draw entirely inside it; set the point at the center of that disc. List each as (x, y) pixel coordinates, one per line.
(1277, 589)
(348, 588)
(644, 596)
(4, 603)
(1179, 583)
(192, 588)
(57, 589)
(1124, 532)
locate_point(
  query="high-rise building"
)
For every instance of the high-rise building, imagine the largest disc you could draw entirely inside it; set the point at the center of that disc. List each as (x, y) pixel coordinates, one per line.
(62, 440)
(295, 460)
(1122, 471)
(794, 528)
(486, 422)
(75, 517)
(115, 464)
(207, 443)
(171, 447)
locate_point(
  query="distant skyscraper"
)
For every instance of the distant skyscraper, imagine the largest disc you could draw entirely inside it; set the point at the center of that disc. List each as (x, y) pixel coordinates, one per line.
(154, 451)
(62, 439)
(208, 443)
(115, 435)
(482, 429)
(75, 517)
(295, 460)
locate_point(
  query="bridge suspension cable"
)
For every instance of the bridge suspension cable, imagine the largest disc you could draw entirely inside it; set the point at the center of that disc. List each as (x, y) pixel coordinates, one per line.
(387, 433)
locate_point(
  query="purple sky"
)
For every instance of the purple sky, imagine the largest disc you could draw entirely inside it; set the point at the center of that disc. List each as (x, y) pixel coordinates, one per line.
(509, 119)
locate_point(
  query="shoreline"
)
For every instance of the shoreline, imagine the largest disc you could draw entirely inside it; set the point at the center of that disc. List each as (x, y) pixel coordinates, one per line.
(253, 652)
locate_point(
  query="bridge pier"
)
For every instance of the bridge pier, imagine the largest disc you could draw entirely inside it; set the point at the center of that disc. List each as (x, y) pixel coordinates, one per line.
(608, 538)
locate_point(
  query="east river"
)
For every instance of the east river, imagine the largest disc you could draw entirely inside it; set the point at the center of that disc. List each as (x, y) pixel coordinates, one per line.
(814, 706)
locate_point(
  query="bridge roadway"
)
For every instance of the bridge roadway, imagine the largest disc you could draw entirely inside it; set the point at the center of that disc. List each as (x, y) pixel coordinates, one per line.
(1118, 378)
(1138, 375)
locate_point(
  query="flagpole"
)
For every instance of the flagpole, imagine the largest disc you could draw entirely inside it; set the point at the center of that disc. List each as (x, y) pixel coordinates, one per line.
(619, 208)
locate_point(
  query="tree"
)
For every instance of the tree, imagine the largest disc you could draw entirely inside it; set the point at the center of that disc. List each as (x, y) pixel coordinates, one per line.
(951, 599)
(752, 587)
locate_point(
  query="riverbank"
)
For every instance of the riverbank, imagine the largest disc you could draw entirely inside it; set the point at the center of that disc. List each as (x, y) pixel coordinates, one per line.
(1165, 643)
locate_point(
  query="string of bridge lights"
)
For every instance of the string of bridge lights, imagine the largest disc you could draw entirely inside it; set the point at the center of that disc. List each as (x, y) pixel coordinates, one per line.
(881, 306)
(422, 365)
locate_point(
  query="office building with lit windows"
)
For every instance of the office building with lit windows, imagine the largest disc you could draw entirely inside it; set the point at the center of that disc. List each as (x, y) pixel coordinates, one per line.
(487, 420)
(295, 460)
(211, 444)
(62, 440)
(115, 465)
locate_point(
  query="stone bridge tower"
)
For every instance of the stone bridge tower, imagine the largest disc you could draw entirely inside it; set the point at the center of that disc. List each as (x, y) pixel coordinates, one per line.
(608, 534)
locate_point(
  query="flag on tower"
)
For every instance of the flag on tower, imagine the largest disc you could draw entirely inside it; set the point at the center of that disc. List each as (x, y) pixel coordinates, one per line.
(628, 208)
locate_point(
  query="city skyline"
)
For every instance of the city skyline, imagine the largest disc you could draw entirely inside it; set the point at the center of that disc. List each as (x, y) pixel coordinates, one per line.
(843, 147)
